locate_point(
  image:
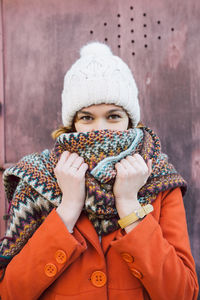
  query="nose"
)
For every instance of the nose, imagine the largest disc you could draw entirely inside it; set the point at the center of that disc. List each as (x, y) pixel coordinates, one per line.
(100, 125)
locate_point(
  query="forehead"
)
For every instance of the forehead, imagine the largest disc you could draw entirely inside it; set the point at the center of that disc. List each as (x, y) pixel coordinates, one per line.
(101, 107)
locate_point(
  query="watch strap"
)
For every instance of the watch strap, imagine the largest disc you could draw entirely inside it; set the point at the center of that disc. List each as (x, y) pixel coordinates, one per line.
(135, 216)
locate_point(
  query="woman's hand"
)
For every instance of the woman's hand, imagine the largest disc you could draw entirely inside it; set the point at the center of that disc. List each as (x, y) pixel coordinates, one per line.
(70, 173)
(132, 174)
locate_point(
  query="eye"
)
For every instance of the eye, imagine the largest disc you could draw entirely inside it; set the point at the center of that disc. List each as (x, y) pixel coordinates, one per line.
(86, 118)
(114, 117)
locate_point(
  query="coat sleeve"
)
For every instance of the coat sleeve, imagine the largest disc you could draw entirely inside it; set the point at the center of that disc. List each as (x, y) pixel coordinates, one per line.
(160, 252)
(45, 255)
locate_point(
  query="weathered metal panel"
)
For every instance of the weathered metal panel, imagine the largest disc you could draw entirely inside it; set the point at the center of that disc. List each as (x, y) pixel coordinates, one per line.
(2, 135)
(158, 39)
(39, 53)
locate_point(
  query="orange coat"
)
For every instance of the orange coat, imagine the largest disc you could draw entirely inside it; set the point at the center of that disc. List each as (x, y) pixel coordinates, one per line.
(153, 261)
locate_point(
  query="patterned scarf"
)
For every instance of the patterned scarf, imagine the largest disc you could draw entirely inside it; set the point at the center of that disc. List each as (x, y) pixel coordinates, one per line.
(32, 188)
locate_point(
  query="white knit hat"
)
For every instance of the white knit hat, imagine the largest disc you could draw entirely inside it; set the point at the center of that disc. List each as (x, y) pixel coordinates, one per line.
(99, 77)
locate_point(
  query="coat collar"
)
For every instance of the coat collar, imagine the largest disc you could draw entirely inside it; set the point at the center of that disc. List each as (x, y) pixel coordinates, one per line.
(88, 231)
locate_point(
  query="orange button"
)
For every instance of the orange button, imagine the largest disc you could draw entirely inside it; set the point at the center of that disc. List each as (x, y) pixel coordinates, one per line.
(127, 257)
(50, 270)
(60, 256)
(136, 273)
(98, 278)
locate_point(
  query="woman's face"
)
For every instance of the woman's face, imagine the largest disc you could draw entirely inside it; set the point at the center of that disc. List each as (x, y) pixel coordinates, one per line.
(101, 116)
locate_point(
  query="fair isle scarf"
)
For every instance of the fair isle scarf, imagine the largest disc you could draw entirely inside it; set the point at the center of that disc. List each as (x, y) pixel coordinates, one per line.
(32, 188)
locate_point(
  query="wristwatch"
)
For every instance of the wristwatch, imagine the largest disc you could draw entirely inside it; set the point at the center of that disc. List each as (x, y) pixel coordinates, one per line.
(135, 215)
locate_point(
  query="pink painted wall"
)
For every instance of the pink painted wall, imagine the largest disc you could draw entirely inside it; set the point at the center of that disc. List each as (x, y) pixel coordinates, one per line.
(39, 40)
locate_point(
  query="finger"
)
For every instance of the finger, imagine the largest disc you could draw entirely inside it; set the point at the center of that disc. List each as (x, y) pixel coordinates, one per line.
(137, 165)
(61, 161)
(70, 160)
(140, 164)
(125, 164)
(149, 165)
(140, 160)
(83, 168)
(77, 162)
(132, 160)
(63, 157)
(120, 169)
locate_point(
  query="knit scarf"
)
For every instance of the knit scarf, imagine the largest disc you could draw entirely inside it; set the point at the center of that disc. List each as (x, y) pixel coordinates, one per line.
(33, 191)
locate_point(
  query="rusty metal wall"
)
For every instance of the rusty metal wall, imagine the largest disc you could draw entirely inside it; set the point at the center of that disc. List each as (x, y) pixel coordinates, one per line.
(2, 132)
(158, 39)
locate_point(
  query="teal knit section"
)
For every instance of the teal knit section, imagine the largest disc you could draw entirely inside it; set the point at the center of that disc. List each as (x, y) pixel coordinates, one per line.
(107, 164)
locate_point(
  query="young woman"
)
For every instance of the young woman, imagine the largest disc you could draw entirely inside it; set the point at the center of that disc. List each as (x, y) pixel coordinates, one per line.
(101, 215)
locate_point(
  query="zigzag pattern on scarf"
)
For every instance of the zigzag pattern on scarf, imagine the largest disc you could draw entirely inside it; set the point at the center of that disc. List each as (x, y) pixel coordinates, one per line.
(28, 211)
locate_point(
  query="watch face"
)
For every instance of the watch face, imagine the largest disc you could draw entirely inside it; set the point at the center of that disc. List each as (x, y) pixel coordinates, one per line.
(148, 208)
(141, 213)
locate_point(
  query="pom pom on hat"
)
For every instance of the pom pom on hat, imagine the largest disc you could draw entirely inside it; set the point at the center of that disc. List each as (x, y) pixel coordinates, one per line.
(98, 77)
(95, 48)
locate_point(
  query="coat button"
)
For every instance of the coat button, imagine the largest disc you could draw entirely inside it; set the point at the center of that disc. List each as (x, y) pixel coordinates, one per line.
(60, 256)
(127, 257)
(50, 270)
(98, 278)
(136, 273)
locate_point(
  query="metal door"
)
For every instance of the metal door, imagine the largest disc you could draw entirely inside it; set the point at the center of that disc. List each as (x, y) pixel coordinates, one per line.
(39, 40)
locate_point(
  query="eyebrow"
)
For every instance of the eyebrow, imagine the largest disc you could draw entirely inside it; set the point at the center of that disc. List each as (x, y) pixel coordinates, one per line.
(110, 111)
(84, 112)
(115, 110)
